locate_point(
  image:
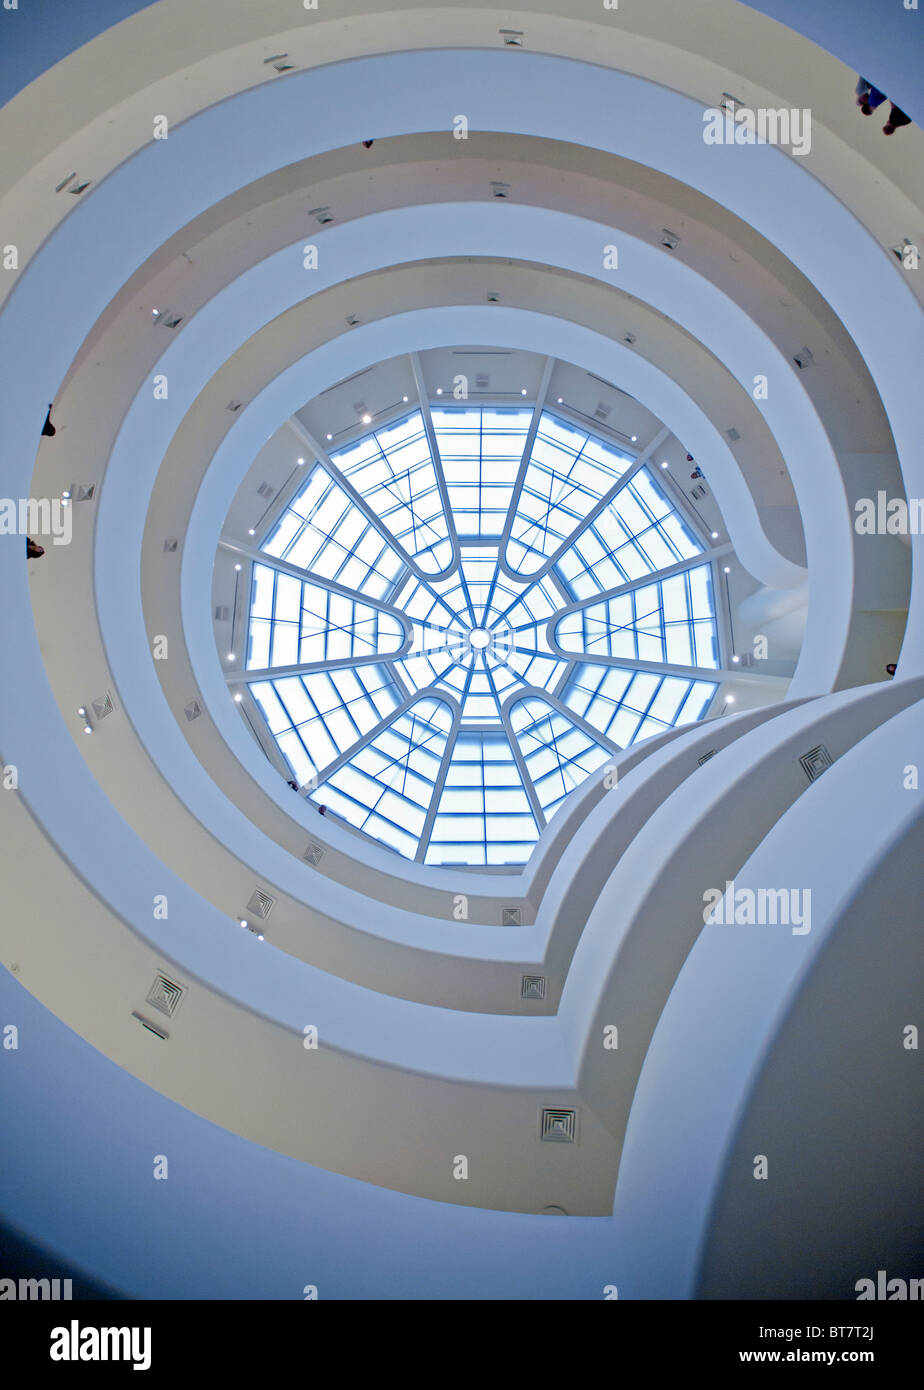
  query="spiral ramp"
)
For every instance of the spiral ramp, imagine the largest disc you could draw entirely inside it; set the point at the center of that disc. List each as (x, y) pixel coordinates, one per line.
(565, 1035)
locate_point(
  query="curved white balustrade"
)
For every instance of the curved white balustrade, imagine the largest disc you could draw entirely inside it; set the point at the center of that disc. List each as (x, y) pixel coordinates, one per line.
(649, 913)
(657, 1241)
(782, 166)
(853, 841)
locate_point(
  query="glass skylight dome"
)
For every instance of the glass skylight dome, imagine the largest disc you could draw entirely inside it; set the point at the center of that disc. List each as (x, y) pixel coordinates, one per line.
(463, 615)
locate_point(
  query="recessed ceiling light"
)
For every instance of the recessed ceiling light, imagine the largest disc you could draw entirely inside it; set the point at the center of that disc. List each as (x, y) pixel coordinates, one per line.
(729, 699)
(726, 569)
(251, 532)
(715, 535)
(301, 460)
(239, 697)
(237, 567)
(82, 712)
(243, 922)
(635, 439)
(367, 419)
(736, 659)
(230, 656)
(560, 402)
(523, 392)
(664, 463)
(65, 495)
(87, 729)
(439, 390)
(260, 936)
(330, 436)
(404, 398)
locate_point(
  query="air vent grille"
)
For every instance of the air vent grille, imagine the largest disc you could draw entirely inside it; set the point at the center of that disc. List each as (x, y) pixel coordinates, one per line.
(313, 854)
(706, 756)
(170, 546)
(222, 613)
(192, 710)
(512, 916)
(532, 987)
(266, 491)
(558, 1126)
(103, 706)
(482, 381)
(261, 904)
(815, 761)
(733, 434)
(165, 994)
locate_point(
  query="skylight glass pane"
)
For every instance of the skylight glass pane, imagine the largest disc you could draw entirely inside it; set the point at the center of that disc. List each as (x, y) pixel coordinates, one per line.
(671, 621)
(619, 702)
(480, 449)
(412, 750)
(323, 530)
(568, 473)
(559, 756)
(385, 789)
(637, 533)
(328, 711)
(394, 472)
(304, 623)
(484, 815)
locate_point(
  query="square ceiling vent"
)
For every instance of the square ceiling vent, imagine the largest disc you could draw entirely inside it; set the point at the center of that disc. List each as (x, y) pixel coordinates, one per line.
(815, 762)
(558, 1126)
(165, 994)
(532, 987)
(261, 904)
(511, 916)
(103, 706)
(313, 854)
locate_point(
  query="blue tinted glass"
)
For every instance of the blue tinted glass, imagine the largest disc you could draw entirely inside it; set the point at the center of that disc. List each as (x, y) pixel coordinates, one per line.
(444, 642)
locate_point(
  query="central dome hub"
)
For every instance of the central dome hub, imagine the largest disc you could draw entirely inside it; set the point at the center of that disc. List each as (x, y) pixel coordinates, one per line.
(479, 637)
